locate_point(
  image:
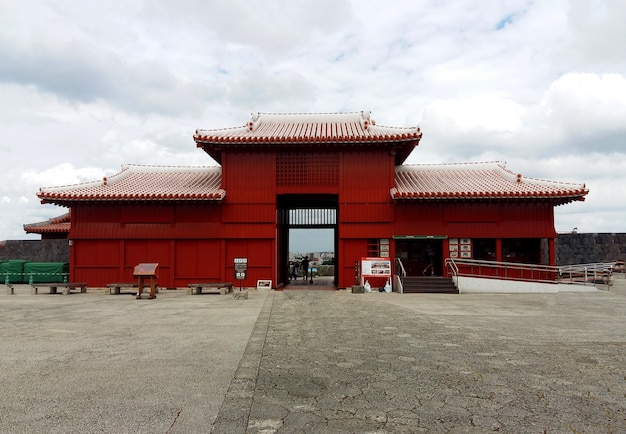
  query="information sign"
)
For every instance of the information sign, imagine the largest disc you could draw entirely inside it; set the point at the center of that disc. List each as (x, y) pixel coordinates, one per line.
(241, 264)
(375, 267)
(241, 268)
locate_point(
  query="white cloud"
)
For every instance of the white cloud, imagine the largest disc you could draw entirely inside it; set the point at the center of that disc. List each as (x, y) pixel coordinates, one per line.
(598, 34)
(487, 115)
(587, 103)
(86, 88)
(63, 174)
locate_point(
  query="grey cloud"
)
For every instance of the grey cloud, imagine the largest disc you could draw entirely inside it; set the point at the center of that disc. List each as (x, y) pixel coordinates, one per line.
(81, 74)
(120, 82)
(275, 28)
(265, 91)
(66, 73)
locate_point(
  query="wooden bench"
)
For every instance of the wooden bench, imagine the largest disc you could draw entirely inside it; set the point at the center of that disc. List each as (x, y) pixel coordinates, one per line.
(217, 287)
(66, 287)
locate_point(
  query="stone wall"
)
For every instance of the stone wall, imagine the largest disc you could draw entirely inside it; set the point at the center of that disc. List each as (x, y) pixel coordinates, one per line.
(35, 250)
(589, 247)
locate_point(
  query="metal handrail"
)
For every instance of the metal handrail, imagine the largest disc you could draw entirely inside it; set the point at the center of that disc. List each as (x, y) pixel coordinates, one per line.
(449, 263)
(575, 274)
(600, 272)
(399, 266)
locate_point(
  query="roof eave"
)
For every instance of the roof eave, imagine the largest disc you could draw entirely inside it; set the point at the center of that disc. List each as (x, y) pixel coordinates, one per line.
(440, 197)
(69, 202)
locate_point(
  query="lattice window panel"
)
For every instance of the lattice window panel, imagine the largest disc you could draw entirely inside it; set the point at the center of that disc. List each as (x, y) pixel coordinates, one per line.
(301, 168)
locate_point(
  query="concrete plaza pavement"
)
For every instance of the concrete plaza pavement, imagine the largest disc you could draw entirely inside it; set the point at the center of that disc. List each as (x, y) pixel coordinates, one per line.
(86, 363)
(314, 361)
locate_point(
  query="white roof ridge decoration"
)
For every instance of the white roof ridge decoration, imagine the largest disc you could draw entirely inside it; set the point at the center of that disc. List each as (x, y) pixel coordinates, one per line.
(311, 117)
(85, 184)
(257, 119)
(156, 168)
(439, 166)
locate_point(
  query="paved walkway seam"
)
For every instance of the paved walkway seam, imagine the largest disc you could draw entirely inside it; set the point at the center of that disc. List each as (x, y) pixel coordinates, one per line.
(235, 409)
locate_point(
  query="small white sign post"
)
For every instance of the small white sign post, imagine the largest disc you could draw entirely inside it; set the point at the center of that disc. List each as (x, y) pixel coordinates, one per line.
(241, 269)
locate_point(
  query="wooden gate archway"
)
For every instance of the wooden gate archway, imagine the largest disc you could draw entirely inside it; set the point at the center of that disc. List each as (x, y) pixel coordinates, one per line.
(305, 211)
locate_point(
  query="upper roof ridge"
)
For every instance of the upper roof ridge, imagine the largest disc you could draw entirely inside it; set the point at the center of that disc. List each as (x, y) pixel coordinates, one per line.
(475, 165)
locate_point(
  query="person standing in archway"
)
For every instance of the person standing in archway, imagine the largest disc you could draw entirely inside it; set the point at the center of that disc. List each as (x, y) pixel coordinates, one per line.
(430, 253)
(293, 270)
(305, 267)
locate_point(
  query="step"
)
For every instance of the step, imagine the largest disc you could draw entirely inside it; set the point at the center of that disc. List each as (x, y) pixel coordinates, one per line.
(429, 284)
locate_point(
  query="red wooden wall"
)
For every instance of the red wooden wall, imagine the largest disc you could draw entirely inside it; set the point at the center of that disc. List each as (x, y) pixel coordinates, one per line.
(475, 220)
(366, 209)
(199, 241)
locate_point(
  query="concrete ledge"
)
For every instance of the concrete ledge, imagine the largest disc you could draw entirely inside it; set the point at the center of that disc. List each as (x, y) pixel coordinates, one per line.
(358, 289)
(240, 295)
(481, 285)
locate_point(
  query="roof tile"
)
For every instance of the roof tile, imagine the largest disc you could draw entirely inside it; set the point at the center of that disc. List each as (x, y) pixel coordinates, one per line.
(136, 182)
(60, 224)
(309, 127)
(478, 181)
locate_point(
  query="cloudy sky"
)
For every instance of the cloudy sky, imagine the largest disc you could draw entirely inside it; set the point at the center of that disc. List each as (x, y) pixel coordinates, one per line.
(86, 87)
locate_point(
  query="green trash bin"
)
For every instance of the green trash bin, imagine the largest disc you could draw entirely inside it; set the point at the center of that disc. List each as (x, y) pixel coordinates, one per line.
(14, 270)
(45, 272)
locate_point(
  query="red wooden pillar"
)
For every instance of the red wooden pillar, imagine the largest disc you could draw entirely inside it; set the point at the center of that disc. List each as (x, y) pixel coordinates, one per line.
(71, 270)
(445, 254)
(552, 252)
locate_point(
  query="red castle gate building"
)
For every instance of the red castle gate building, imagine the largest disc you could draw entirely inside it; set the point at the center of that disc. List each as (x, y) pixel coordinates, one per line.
(278, 172)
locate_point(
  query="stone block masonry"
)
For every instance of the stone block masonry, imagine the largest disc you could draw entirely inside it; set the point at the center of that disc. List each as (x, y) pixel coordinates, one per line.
(588, 248)
(35, 250)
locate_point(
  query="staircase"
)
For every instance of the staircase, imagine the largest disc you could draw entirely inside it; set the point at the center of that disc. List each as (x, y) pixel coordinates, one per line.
(428, 284)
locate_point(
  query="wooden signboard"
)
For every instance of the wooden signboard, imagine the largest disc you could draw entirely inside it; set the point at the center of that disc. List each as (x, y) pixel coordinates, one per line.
(145, 271)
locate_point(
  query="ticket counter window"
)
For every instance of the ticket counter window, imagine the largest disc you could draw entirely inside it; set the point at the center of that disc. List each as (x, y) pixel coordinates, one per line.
(524, 250)
(485, 249)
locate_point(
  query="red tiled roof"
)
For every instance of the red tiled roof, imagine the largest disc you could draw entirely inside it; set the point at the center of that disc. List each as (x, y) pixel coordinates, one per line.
(137, 183)
(60, 224)
(288, 129)
(478, 181)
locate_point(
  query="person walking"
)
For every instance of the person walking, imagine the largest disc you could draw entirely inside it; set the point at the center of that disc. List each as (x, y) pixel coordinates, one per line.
(430, 252)
(305, 267)
(293, 271)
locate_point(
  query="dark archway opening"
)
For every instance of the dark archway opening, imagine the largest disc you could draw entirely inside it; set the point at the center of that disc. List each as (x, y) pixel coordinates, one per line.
(417, 255)
(304, 212)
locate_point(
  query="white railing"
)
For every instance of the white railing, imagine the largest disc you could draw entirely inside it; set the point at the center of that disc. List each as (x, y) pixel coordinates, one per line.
(399, 267)
(400, 272)
(600, 272)
(583, 274)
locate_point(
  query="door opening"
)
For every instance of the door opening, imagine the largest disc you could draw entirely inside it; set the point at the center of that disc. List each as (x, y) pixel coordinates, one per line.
(318, 247)
(421, 257)
(307, 228)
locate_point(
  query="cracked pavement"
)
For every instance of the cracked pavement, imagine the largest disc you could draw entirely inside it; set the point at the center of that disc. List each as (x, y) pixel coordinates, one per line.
(333, 361)
(313, 361)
